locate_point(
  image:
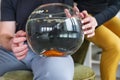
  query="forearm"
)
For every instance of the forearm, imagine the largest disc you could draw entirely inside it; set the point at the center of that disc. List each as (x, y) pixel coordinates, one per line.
(5, 41)
(7, 31)
(108, 13)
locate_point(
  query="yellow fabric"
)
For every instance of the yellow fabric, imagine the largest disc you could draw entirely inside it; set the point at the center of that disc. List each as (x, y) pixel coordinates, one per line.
(107, 36)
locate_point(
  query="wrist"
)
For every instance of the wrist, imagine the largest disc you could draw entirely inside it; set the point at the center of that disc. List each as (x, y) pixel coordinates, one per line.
(6, 41)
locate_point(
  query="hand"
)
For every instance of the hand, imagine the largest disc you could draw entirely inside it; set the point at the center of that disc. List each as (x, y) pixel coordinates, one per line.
(18, 47)
(76, 11)
(89, 24)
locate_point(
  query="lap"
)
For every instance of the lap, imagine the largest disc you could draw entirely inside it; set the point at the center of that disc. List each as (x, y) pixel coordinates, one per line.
(39, 65)
(105, 37)
(8, 62)
(114, 25)
(53, 68)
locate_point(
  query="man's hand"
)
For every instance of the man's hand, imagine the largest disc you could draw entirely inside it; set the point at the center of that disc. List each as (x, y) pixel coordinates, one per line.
(18, 47)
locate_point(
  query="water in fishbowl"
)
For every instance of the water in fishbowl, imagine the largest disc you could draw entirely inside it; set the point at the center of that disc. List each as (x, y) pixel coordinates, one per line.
(49, 30)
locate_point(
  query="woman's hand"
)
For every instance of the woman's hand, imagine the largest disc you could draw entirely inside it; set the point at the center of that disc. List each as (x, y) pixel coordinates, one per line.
(89, 22)
(18, 47)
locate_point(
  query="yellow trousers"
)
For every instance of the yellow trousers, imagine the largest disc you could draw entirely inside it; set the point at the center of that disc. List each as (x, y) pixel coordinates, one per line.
(107, 37)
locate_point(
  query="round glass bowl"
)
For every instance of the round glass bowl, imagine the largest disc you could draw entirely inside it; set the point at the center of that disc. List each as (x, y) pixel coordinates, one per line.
(51, 33)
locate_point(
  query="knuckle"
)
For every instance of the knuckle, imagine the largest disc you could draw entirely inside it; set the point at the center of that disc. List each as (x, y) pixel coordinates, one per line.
(14, 50)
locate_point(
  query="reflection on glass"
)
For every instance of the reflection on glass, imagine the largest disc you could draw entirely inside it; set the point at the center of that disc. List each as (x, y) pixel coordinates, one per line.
(48, 28)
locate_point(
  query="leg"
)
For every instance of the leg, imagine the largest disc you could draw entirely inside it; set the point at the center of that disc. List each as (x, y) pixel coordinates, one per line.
(110, 43)
(8, 62)
(53, 68)
(114, 25)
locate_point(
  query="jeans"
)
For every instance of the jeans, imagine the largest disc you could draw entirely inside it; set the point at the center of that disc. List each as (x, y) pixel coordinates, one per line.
(43, 68)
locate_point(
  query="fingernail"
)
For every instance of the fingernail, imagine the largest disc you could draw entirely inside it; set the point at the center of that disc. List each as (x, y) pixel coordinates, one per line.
(77, 12)
(83, 27)
(88, 36)
(85, 32)
(82, 21)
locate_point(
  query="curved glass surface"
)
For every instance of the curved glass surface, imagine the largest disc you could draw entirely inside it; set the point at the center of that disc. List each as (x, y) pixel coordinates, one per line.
(48, 29)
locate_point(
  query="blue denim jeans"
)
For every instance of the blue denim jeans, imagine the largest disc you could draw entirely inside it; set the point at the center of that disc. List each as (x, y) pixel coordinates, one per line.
(43, 68)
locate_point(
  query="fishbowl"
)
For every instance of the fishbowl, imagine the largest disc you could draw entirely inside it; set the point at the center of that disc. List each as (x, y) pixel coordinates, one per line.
(51, 33)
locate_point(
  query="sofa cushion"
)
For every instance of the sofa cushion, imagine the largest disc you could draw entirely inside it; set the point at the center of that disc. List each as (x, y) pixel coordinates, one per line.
(81, 73)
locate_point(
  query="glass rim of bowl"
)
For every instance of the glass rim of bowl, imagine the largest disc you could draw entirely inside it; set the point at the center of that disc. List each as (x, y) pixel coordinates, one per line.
(50, 4)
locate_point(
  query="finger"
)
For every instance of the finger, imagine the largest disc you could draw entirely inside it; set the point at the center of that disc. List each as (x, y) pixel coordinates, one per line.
(85, 13)
(15, 44)
(19, 39)
(21, 57)
(19, 49)
(20, 33)
(21, 43)
(67, 13)
(75, 9)
(87, 26)
(89, 31)
(24, 52)
(86, 20)
(82, 16)
(90, 35)
(77, 12)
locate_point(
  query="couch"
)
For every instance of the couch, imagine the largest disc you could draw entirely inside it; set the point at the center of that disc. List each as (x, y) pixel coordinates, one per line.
(81, 72)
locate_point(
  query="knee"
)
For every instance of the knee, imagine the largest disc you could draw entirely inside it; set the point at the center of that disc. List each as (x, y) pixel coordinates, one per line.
(116, 47)
(62, 76)
(57, 68)
(54, 76)
(113, 48)
(62, 73)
